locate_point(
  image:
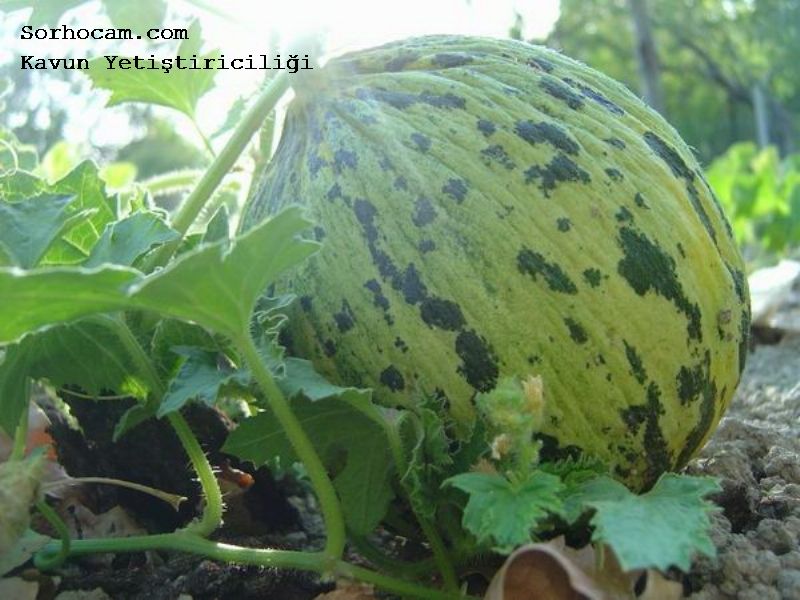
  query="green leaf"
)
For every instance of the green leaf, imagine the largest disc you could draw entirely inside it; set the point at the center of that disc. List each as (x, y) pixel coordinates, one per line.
(218, 228)
(13, 153)
(19, 487)
(21, 185)
(135, 415)
(178, 89)
(44, 297)
(118, 175)
(139, 16)
(31, 226)
(217, 285)
(86, 354)
(301, 379)
(351, 445)
(21, 552)
(85, 184)
(59, 160)
(45, 12)
(200, 377)
(429, 460)
(169, 334)
(8, 157)
(124, 241)
(82, 219)
(663, 528)
(502, 513)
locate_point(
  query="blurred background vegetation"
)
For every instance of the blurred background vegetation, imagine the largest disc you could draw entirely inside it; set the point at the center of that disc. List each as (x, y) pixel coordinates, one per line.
(725, 73)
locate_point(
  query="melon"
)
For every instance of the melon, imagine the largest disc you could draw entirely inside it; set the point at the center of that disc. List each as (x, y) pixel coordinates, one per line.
(490, 208)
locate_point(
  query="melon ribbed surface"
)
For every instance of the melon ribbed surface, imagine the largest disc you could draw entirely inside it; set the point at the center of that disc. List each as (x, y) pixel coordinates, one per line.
(490, 208)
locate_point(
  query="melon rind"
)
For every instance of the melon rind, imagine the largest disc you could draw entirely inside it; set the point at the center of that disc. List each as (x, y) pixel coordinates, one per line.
(489, 208)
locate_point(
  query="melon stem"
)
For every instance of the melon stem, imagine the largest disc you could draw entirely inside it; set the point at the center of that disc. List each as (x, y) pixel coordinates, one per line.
(323, 486)
(219, 168)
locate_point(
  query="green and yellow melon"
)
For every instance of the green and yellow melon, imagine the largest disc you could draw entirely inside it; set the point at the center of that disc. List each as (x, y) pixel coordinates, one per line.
(491, 208)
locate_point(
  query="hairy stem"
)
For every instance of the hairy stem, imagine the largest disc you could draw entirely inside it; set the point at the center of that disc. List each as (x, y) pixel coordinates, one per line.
(212, 513)
(328, 500)
(308, 561)
(54, 559)
(438, 548)
(211, 518)
(173, 500)
(220, 167)
(391, 564)
(206, 143)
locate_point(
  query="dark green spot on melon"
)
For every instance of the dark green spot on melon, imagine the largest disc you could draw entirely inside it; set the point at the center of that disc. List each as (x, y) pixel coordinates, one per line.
(456, 189)
(424, 212)
(534, 264)
(576, 331)
(421, 142)
(447, 60)
(478, 361)
(646, 267)
(560, 169)
(486, 127)
(592, 276)
(496, 153)
(392, 378)
(635, 361)
(557, 90)
(441, 313)
(345, 319)
(539, 133)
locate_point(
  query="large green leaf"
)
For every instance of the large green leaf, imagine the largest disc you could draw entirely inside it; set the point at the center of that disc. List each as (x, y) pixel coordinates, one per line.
(86, 354)
(178, 89)
(31, 226)
(347, 430)
(200, 377)
(21, 185)
(503, 513)
(44, 297)
(352, 446)
(122, 242)
(660, 529)
(138, 16)
(217, 285)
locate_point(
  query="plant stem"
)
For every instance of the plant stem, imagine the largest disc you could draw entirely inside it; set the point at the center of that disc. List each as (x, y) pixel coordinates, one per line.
(391, 564)
(328, 500)
(173, 181)
(211, 518)
(438, 548)
(209, 148)
(212, 513)
(446, 569)
(220, 166)
(172, 499)
(21, 433)
(55, 559)
(287, 559)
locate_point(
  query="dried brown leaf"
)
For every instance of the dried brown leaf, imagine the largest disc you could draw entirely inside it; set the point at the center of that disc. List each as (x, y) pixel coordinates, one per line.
(347, 590)
(553, 571)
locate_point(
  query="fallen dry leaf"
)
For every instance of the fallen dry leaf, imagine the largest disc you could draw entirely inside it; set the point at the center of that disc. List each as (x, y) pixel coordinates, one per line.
(541, 572)
(18, 588)
(347, 590)
(553, 571)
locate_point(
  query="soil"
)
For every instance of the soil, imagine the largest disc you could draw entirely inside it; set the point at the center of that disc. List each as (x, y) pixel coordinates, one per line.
(755, 453)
